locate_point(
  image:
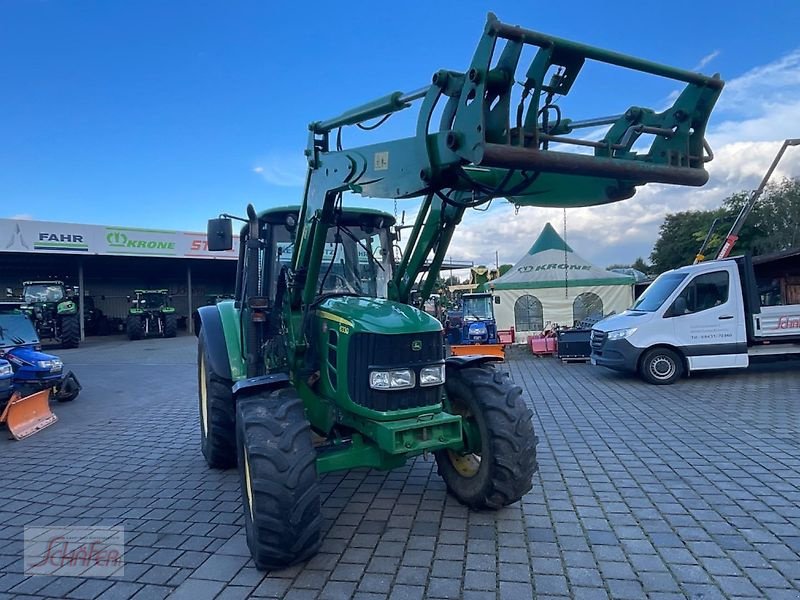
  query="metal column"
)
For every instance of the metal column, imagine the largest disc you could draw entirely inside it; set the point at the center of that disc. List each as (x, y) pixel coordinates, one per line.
(190, 322)
(80, 297)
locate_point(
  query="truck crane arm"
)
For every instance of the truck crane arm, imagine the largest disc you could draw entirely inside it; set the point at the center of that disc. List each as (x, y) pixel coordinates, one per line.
(484, 147)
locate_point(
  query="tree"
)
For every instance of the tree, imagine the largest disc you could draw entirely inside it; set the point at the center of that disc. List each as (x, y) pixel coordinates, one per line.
(680, 237)
(772, 226)
(640, 265)
(505, 269)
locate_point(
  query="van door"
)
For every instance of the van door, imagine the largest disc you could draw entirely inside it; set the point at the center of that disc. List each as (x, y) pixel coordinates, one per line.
(707, 317)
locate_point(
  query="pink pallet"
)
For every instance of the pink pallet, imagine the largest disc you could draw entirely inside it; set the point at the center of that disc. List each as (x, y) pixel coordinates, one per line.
(541, 345)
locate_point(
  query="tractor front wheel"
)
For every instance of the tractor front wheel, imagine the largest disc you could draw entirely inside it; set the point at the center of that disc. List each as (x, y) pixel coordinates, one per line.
(134, 327)
(278, 473)
(170, 325)
(496, 467)
(70, 331)
(217, 412)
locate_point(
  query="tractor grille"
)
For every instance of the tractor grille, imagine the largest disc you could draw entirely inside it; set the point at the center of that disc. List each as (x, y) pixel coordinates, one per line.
(370, 351)
(598, 339)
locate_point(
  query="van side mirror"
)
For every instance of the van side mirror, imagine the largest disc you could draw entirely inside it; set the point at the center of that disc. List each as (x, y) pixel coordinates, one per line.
(497, 299)
(220, 235)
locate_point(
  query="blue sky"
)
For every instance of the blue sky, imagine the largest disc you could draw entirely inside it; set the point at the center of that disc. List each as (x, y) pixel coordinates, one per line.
(165, 113)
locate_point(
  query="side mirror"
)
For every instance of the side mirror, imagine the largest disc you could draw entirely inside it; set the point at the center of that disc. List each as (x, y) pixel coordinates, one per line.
(9, 292)
(679, 307)
(129, 299)
(220, 235)
(497, 299)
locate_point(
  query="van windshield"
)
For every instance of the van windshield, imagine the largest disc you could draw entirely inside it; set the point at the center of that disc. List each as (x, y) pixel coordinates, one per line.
(657, 293)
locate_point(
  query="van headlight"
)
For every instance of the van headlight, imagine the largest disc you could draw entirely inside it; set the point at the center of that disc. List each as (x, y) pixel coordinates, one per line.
(621, 334)
(6, 370)
(431, 375)
(399, 379)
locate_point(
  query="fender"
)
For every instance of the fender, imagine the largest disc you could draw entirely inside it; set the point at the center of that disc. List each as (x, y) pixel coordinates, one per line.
(265, 383)
(215, 343)
(470, 360)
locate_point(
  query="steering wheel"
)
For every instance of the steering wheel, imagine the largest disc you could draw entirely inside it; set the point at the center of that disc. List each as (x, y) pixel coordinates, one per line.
(345, 284)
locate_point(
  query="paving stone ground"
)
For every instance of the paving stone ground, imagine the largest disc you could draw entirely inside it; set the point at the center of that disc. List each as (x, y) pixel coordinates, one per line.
(691, 490)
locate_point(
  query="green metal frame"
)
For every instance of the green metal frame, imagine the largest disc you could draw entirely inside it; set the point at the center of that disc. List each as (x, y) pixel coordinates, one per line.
(483, 148)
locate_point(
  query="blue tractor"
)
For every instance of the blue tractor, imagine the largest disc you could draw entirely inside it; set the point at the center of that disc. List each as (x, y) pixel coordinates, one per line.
(473, 329)
(29, 378)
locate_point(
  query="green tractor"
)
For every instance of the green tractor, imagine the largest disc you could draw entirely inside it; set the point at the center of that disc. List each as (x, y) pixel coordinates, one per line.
(151, 315)
(321, 363)
(53, 313)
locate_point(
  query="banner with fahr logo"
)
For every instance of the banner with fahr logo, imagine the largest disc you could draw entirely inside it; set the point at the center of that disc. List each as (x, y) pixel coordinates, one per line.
(18, 235)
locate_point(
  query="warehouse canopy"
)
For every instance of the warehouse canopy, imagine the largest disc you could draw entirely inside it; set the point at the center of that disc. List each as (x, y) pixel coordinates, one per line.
(551, 263)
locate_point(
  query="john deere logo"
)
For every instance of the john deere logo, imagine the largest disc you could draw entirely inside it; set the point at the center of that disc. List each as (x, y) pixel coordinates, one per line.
(416, 345)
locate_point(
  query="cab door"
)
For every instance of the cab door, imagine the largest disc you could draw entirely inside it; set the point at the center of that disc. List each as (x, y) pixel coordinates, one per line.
(707, 321)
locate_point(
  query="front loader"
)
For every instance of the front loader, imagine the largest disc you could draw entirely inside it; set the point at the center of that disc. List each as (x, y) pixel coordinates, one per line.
(320, 363)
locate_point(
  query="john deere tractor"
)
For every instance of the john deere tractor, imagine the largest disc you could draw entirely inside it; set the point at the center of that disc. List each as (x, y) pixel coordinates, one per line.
(151, 315)
(53, 313)
(320, 363)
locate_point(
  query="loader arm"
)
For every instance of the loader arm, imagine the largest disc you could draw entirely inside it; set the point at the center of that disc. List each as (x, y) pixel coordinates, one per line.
(487, 146)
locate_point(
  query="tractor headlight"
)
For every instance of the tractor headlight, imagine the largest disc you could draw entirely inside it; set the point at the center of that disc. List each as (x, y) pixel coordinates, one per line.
(621, 334)
(54, 364)
(5, 370)
(391, 380)
(431, 375)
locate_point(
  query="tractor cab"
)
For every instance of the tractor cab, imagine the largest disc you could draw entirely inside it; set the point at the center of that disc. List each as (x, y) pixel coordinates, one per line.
(478, 324)
(356, 260)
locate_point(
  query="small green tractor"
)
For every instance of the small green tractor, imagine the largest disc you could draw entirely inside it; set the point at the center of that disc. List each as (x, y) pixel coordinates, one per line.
(53, 312)
(321, 363)
(151, 315)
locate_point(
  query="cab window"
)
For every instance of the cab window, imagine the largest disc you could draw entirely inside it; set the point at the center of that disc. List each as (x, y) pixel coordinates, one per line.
(703, 292)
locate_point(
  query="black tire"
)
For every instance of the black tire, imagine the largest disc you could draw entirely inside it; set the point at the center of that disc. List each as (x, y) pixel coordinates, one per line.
(134, 328)
(70, 331)
(278, 473)
(501, 473)
(661, 366)
(217, 413)
(170, 325)
(68, 389)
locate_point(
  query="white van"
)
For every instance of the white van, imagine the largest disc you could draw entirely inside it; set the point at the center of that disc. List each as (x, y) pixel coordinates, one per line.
(704, 316)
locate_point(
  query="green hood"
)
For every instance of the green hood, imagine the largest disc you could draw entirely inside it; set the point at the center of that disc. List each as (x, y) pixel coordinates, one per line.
(376, 315)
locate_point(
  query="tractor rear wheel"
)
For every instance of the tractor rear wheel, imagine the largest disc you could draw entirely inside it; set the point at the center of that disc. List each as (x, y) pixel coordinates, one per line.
(217, 412)
(170, 325)
(134, 327)
(70, 331)
(497, 466)
(278, 473)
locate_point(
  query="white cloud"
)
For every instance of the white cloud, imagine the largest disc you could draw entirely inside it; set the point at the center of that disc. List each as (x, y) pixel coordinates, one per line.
(705, 60)
(756, 112)
(282, 170)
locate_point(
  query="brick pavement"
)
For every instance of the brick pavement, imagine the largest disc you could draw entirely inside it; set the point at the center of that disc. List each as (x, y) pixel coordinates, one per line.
(690, 491)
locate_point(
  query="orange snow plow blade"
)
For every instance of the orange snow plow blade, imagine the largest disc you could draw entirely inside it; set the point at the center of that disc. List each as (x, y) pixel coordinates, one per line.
(481, 349)
(26, 415)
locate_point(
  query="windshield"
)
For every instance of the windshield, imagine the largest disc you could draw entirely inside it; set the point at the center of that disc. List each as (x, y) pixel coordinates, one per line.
(16, 329)
(150, 300)
(356, 260)
(42, 292)
(658, 292)
(477, 308)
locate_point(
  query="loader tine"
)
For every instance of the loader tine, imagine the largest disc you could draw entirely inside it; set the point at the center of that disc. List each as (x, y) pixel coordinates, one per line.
(26, 415)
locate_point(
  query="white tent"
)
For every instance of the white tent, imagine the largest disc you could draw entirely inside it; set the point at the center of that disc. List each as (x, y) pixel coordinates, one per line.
(553, 285)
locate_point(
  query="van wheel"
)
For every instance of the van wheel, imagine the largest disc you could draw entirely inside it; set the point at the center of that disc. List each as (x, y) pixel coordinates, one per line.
(661, 366)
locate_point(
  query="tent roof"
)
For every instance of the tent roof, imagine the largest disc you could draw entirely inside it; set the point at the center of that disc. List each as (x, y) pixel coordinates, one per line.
(552, 263)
